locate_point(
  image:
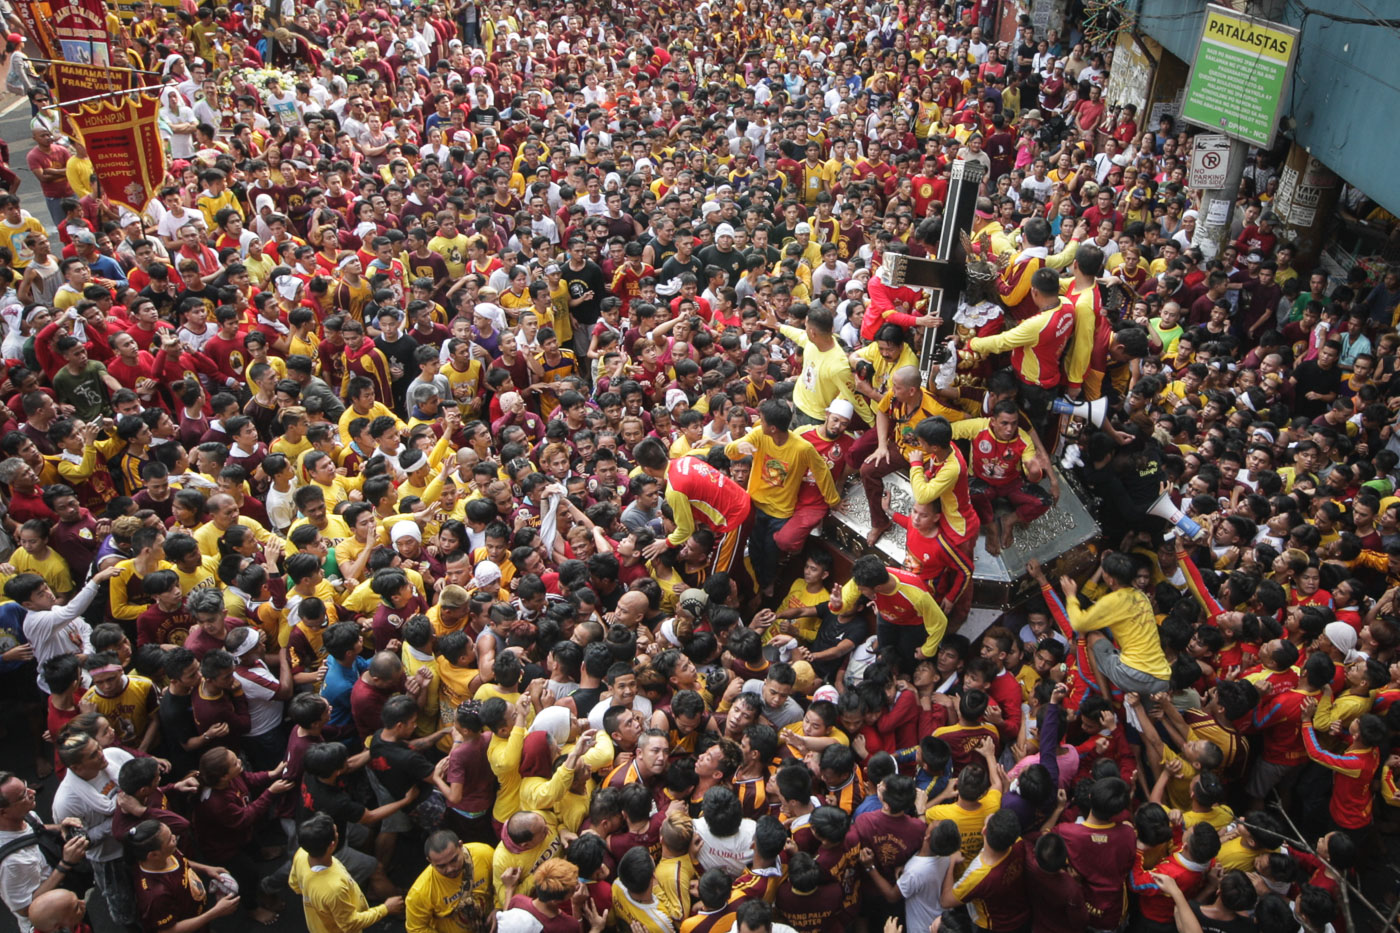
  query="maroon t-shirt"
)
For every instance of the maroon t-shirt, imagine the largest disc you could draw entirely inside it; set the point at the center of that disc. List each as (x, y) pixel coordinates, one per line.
(893, 839)
(562, 923)
(467, 765)
(1102, 856)
(165, 898)
(367, 707)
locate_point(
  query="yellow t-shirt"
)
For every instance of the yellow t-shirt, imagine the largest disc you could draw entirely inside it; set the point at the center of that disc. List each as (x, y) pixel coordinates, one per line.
(969, 822)
(778, 471)
(129, 712)
(799, 597)
(825, 376)
(453, 252)
(441, 904)
(628, 914)
(53, 568)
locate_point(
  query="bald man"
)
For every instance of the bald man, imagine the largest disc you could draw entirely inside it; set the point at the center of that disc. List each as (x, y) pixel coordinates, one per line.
(632, 609)
(57, 911)
(887, 448)
(223, 515)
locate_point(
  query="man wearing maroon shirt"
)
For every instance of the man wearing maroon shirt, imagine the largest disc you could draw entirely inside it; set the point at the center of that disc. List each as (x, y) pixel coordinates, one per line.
(992, 885)
(381, 680)
(1102, 851)
(1216, 284)
(219, 698)
(888, 837)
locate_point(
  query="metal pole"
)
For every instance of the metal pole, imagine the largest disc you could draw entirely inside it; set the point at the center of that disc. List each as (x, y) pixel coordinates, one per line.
(1218, 205)
(135, 90)
(60, 61)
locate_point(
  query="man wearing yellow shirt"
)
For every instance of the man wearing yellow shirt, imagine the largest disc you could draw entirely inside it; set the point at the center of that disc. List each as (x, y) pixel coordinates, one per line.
(886, 449)
(333, 902)
(451, 245)
(223, 515)
(503, 754)
(885, 354)
(453, 893)
(781, 460)
(826, 373)
(1136, 663)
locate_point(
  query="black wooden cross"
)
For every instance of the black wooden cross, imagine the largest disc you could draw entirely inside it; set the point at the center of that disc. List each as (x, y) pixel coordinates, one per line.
(946, 275)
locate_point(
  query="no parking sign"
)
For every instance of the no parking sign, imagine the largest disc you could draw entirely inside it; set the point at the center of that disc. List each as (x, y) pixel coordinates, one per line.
(1210, 161)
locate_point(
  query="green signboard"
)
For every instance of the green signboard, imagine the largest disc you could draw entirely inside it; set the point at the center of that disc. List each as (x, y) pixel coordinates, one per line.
(1239, 76)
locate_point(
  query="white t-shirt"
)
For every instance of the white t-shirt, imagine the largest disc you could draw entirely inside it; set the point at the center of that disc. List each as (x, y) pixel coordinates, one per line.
(21, 874)
(640, 704)
(260, 686)
(93, 802)
(730, 854)
(921, 884)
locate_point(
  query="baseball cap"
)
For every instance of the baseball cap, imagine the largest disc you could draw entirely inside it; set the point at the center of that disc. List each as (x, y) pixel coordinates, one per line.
(724, 230)
(842, 408)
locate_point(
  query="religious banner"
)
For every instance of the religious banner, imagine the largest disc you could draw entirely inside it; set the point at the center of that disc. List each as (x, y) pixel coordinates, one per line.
(37, 17)
(78, 82)
(81, 30)
(124, 145)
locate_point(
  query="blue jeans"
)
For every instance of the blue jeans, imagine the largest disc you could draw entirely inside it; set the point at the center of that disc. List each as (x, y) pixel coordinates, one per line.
(55, 206)
(762, 549)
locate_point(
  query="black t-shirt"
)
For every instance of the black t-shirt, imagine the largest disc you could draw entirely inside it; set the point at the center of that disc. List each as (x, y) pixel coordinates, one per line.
(1210, 925)
(832, 631)
(485, 116)
(397, 766)
(589, 278)
(401, 350)
(333, 800)
(164, 301)
(673, 268)
(731, 262)
(176, 728)
(1310, 377)
(585, 698)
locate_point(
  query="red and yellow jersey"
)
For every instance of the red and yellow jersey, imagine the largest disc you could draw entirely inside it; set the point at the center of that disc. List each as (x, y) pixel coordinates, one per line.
(1036, 344)
(995, 461)
(1092, 332)
(698, 493)
(946, 483)
(1354, 769)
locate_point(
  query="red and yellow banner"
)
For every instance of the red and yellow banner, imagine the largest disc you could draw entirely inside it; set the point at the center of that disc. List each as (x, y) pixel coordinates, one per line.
(37, 17)
(124, 145)
(80, 27)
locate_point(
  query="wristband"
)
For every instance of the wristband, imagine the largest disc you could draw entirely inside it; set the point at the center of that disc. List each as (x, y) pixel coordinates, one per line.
(64, 867)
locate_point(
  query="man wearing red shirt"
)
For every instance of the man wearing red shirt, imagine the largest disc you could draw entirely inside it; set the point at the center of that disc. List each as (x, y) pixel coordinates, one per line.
(875, 166)
(225, 349)
(1188, 866)
(1280, 719)
(1352, 798)
(930, 186)
(1103, 209)
(997, 643)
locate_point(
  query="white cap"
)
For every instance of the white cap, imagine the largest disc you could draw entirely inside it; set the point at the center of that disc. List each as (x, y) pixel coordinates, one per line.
(724, 230)
(803, 227)
(842, 408)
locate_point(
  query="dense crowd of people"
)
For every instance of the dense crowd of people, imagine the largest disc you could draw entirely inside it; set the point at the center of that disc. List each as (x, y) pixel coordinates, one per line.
(425, 499)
